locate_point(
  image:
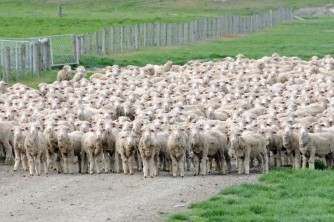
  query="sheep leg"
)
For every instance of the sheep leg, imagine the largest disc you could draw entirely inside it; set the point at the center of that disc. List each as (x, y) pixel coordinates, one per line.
(174, 166)
(240, 166)
(297, 160)
(247, 160)
(203, 164)
(117, 160)
(227, 159)
(139, 161)
(125, 162)
(43, 158)
(151, 167)
(311, 159)
(278, 159)
(188, 160)
(181, 165)
(65, 159)
(130, 162)
(220, 163)
(31, 164)
(304, 161)
(196, 163)
(24, 161)
(107, 162)
(79, 163)
(209, 165)
(265, 160)
(38, 164)
(84, 166)
(156, 164)
(9, 153)
(260, 163)
(91, 163)
(98, 162)
(145, 167)
(17, 160)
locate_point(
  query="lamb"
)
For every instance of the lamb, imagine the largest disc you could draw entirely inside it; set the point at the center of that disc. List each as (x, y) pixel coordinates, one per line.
(64, 74)
(108, 146)
(92, 151)
(316, 144)
(291, 145)
(3, 87)
(149, 147)
(275, 145)
(247, 146)
(19, 149)
(6, 140)
(126, 147)
(69, 146)
(177, 145)
(35, 146)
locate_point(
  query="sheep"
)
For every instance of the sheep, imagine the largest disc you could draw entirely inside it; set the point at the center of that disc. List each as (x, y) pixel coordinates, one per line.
(149, 147)
(291, 145)
(64, 73)
(203, 144)
(108, 146)
(69, 144)
(19, 149)
(316, 144)
(126, 147)
(35, 146)
(247, 146)
(275, 145)
(92, 151)
(3, 87)
(177, 145)
(6, 140)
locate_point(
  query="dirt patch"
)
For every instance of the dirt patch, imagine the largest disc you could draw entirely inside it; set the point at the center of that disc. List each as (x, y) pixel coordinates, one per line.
(231, 36)
(315, 11)
(105, 197)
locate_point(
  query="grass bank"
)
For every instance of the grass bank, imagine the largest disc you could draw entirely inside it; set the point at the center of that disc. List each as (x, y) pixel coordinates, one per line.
(281, 195)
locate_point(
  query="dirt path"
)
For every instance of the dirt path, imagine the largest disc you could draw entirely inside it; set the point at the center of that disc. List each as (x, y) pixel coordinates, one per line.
(105, 197)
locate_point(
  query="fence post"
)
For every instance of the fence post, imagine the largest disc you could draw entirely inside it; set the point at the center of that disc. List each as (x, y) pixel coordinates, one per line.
(111, 47)
(122, 38)
(36, 57)
(103, 41)
(23, 59)
(7, 73)
(136, 30)
(128, 40)
(75, 47)
(96, 43)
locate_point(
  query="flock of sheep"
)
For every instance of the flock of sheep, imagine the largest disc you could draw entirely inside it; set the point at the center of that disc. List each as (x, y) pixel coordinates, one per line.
(203, 115)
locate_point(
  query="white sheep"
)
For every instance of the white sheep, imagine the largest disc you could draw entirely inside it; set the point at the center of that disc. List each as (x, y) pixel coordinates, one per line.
(177, 145)
(35, 146)
(64, 73)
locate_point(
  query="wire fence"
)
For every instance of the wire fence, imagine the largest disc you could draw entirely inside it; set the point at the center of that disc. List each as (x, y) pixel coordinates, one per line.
(133, 37)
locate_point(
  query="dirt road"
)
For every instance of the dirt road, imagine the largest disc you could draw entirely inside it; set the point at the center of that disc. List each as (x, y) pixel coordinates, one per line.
(105, 197)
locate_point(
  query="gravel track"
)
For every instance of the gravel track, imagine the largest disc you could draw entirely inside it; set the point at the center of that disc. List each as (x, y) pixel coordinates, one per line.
(104, 197)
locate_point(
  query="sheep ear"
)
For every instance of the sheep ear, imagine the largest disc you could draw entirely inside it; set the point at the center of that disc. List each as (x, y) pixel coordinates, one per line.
(12, 130)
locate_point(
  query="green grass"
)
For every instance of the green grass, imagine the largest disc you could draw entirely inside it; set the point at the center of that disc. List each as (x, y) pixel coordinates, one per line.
(281, 195)
(30, 18)
(295, 38)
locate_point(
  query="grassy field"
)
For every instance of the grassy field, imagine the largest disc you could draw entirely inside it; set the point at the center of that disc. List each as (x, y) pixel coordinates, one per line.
(30, 18)
(281, 195)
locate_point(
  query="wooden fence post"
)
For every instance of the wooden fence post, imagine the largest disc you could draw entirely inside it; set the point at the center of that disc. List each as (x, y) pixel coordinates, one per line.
(23, 59)
(36, 57)
(136, 31)
(7, 73)
(75, 47)
(96, 43)
(103, 41)
(111, 37)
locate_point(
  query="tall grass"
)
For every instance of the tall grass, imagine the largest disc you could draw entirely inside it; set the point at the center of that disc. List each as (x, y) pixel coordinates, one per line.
(281, 195)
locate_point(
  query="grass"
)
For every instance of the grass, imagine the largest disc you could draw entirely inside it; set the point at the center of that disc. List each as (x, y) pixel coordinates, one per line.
(30, 18)
(281, 195)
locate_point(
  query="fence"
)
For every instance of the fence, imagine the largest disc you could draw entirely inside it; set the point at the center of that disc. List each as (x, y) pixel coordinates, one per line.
(23, 57)
(134, 37)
